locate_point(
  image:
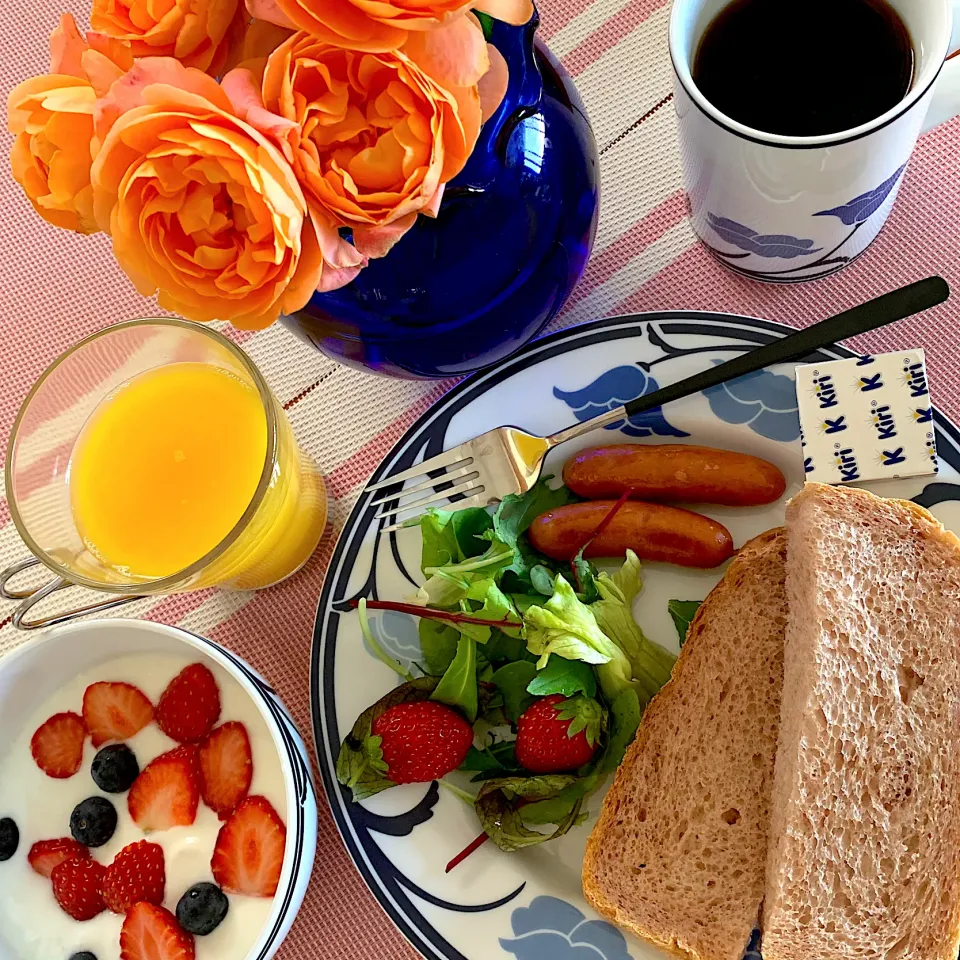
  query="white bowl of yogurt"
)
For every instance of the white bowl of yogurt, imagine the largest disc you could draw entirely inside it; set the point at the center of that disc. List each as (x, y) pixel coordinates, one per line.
(49, 675)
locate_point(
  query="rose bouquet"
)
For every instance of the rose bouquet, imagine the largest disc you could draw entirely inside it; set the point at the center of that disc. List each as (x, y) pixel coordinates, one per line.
(333, 126)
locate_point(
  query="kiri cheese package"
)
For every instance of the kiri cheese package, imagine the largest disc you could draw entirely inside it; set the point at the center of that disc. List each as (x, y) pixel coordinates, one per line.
(867, 418)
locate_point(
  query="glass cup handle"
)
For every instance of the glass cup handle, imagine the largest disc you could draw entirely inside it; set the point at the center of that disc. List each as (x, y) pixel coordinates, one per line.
(29, 598)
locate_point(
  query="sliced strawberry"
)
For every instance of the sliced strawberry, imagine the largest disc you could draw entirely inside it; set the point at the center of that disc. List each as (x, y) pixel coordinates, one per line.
(137, 873)
(47, 855)
(57, 745)
(248, 855)
(226, 768)
(167, 792)
(76, 885)
(152, 933)
(190, 705)
(115, 711)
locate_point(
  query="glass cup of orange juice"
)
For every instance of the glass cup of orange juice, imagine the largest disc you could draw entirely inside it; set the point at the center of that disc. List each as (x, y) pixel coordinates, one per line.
(152, 458)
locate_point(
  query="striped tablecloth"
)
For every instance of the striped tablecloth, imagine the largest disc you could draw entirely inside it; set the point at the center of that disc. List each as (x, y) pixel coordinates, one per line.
(57, 287)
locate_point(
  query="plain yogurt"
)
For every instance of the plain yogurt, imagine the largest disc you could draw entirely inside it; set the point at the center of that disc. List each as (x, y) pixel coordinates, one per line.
(32, 925)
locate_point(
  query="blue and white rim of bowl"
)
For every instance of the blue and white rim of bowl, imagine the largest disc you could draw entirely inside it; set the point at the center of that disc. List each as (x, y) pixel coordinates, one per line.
(426, 437)
(303, 787)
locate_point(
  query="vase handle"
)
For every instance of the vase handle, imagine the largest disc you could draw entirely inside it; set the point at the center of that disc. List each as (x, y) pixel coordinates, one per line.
(525, 88)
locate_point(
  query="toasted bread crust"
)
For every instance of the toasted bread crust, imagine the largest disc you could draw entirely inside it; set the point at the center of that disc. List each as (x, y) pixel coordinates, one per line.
(865, 825)
(716, 926)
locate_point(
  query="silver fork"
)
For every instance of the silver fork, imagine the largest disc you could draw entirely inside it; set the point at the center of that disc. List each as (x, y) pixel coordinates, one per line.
(508, 460)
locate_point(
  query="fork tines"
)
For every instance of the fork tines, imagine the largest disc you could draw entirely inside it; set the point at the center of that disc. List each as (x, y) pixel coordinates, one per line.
(448, 475)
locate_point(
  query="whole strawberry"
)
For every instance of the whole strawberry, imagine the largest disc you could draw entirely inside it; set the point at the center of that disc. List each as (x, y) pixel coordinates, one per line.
(558, 734)
(422, 741)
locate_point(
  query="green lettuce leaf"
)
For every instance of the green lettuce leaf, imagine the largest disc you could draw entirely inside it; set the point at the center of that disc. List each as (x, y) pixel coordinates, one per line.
(458, 686)
(511, 521)
(502, 805)
(438, 644)
(449, 583)
(512, 680)
(682, 613)
(566, 627)
(563, 676)
(648, 665)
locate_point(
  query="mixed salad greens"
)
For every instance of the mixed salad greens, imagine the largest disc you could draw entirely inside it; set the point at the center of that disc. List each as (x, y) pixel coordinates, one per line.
(502, 625)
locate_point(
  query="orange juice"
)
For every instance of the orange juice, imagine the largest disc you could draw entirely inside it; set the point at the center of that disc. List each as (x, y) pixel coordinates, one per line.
(167, 465)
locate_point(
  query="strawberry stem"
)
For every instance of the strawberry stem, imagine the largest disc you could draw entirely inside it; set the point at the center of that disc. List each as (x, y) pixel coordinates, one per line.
(428, 613)
(604, 523)
(466, 851)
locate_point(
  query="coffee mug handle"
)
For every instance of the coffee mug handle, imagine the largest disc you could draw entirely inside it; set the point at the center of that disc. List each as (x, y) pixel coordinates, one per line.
(946, 96)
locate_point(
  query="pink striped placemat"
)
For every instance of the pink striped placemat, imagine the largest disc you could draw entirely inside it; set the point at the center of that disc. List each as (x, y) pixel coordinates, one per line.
(58, 287)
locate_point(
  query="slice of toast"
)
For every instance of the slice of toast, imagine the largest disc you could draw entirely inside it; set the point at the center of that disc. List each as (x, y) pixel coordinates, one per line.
(678, 853)
(864, 857)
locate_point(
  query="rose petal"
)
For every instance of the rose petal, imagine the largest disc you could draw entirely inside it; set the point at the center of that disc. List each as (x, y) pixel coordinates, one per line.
(493, 84)
(270, 11)
(515, 12)
(66, 48)
(379, 241)
(243, 90)
(454, 54)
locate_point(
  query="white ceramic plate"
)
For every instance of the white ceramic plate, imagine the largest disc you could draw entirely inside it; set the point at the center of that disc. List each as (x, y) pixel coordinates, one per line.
(528, 905)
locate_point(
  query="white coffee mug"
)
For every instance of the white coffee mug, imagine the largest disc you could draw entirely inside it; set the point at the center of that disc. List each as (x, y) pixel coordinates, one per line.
(787, 209)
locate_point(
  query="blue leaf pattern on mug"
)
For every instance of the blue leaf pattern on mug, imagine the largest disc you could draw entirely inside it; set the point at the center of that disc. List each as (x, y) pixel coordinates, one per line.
(552, 929)
(772, 246)
(613, 389)
(765, 401)
(862, 208)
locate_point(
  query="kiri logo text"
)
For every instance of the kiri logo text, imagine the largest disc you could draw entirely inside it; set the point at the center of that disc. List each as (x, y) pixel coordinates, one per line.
(884, 424)
(826, 392)
(923, 414)
(867, 384)
(834, 426)
(847, 464)
(891, 458)
(916, 380)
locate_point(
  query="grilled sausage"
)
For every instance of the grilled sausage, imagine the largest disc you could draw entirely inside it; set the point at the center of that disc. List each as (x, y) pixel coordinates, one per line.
(653, 531)
(674, 471)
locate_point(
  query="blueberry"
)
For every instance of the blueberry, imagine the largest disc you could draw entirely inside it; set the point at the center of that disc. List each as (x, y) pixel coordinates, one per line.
(9, 838)
(115, 768)
(93, 821)
(83, 955)
(202, 909)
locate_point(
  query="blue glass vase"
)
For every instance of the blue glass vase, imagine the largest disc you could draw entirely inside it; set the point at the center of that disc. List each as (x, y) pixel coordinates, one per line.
(511, 240)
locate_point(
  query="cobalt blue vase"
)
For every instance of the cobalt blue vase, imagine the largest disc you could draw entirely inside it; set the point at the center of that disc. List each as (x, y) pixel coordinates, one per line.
(511, 240)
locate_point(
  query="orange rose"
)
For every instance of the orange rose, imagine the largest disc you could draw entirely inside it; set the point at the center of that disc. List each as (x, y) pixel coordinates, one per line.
(197, 32)
(377, 26)
(201, 207)
(52, 117)
(371, 137)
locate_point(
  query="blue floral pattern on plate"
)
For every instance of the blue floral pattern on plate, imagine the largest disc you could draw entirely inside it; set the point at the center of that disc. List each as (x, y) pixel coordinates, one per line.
(765, 401)
(613, 389)
(500, 907)
(552, 929)
(398, 635)
(774, 246)
(862, 208)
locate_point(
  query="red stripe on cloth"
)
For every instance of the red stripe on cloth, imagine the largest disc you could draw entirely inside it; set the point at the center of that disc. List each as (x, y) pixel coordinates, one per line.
(610, 34)
(174, 609)
(554, 17)
(356, 468)
(630, 244)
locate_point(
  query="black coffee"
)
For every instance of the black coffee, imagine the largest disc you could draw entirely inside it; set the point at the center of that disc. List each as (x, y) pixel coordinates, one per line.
(804, 68)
